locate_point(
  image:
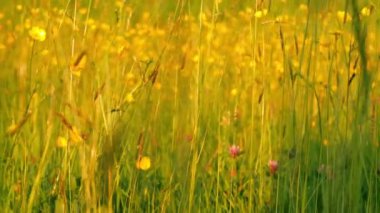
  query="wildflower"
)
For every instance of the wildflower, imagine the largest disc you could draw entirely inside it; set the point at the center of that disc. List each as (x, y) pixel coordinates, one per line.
(258, 14)
(282, 19)
(261, 13)
(37, 33)
(61, 142)
(19, 7)
(326, 142)
(143, 163)
(83, 11)
(367, 11)
(158, 86)
(129, 98)
(235, 151)
(234, 92)
(303, 7)
(273, 166)
(343, 16)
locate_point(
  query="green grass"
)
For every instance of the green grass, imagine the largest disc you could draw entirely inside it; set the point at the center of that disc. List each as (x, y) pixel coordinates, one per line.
(180, 82)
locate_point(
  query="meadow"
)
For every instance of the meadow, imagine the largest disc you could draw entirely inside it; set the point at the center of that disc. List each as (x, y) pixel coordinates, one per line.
(189, 106)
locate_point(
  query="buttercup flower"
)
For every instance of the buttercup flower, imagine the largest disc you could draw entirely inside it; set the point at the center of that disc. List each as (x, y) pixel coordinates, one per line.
(37, 34)
(143, 163)
(61, 142)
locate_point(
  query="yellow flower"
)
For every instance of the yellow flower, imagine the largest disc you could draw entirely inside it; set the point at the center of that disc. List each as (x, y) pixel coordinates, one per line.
(61, 142)
(19, 7)
(143, 163)
(343, 17)
(234, 92)
(261, 13)
(129, 98)
(303, 7)
(37, 34)
(367, 11)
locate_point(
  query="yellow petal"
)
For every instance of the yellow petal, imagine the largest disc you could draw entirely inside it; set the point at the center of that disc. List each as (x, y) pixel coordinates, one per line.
(143, 163)
(129, 98)
(343, 17)
(261, 13)
(234, 92)
(61, 142)
(37, 34)
(366, 11)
